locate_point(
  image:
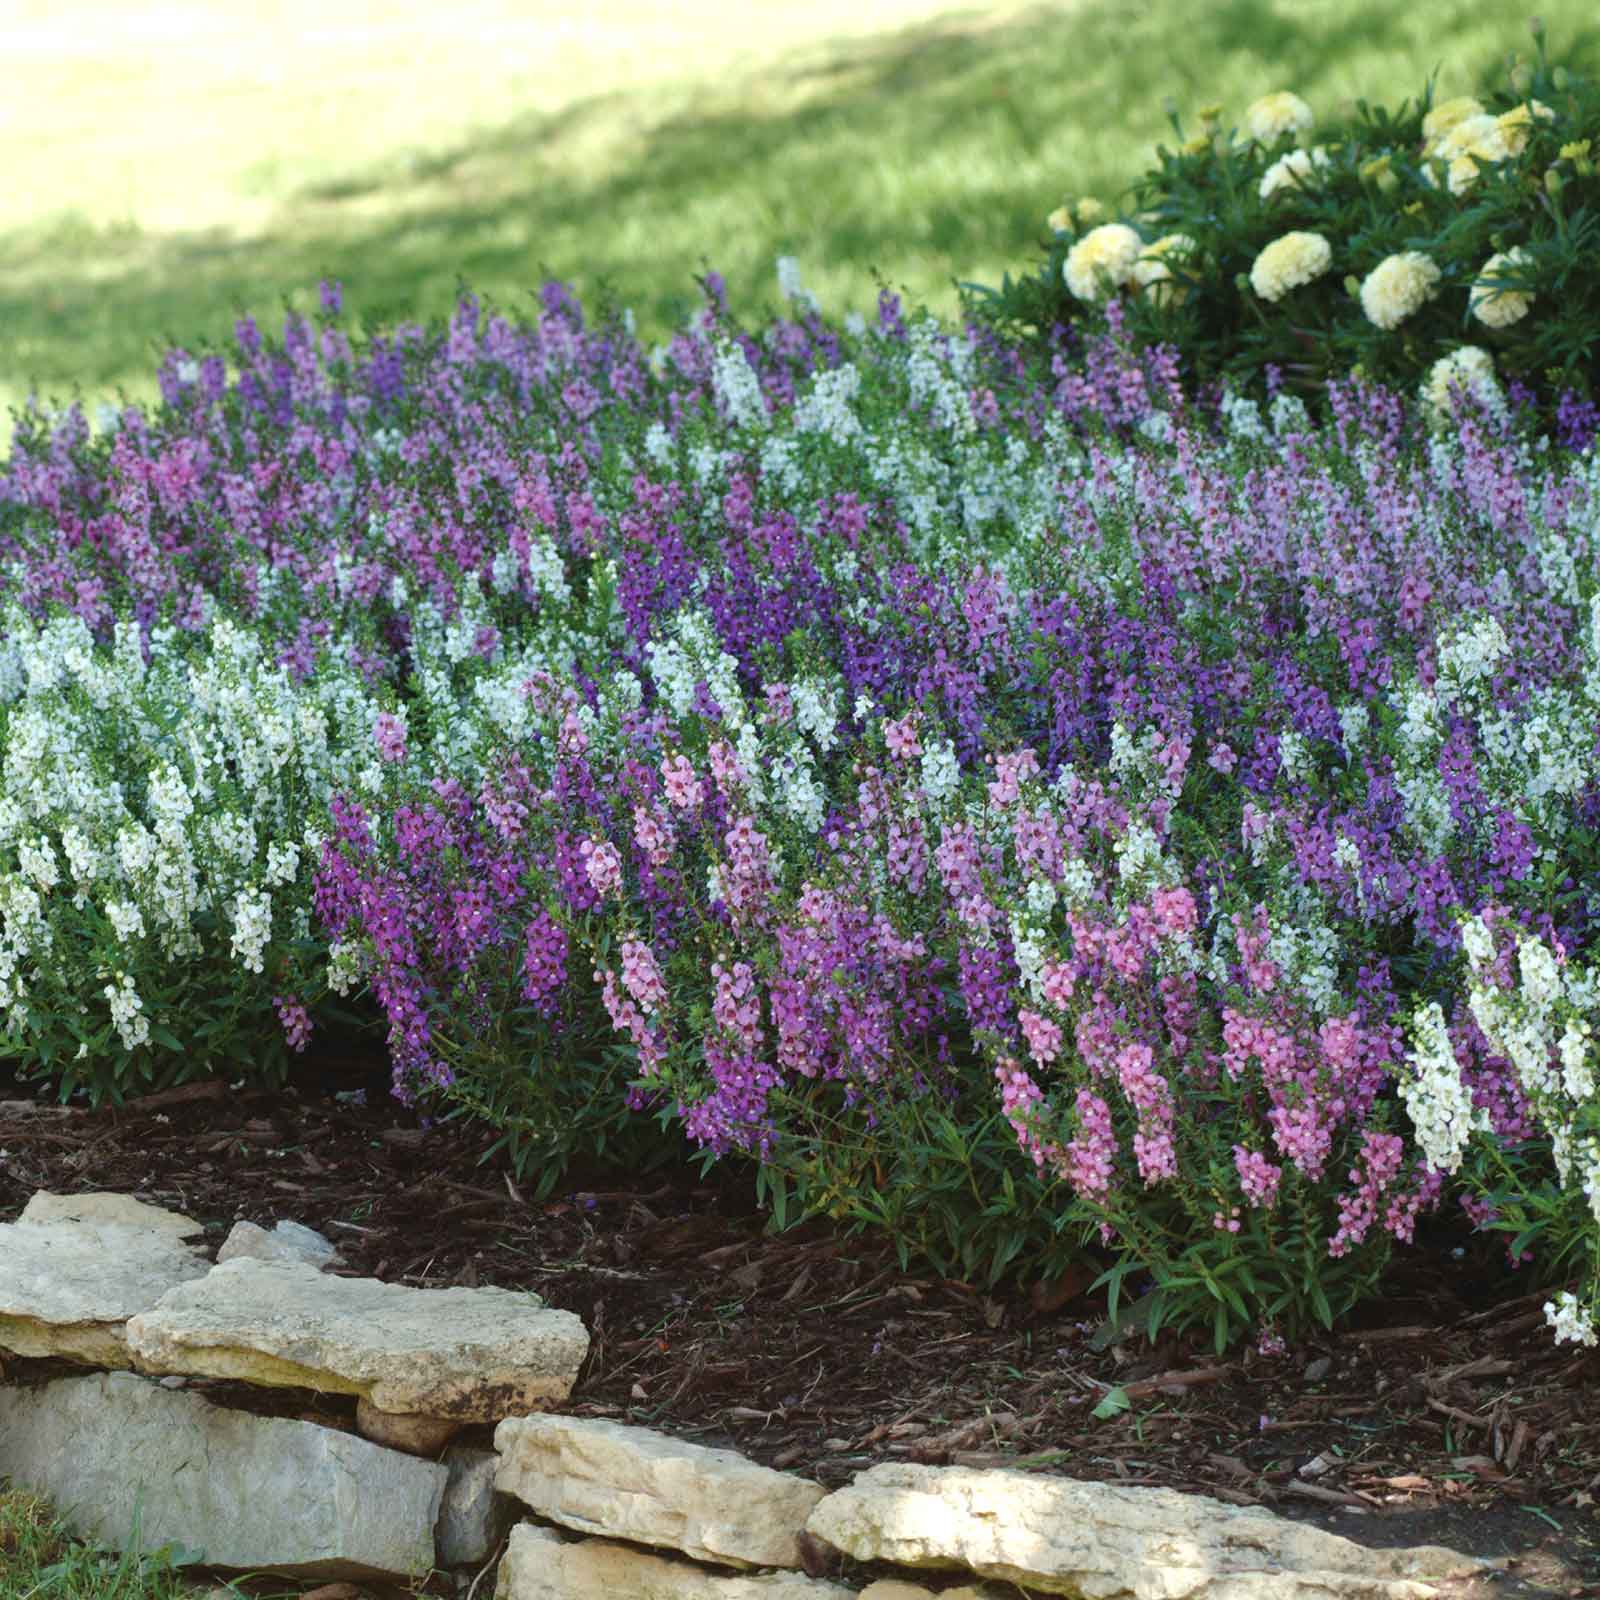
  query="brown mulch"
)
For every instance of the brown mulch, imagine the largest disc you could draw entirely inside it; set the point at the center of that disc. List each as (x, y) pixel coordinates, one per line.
(1445, 1415)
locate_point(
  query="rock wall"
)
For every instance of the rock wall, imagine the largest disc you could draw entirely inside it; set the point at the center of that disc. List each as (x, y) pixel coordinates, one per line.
(605, 1509)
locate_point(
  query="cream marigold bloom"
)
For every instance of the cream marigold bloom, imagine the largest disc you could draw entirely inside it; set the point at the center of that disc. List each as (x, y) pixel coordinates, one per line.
(1494, 306)
(1074, 214)
(1290, 262)
(1468, 370)
(1516, 124)
(1153, 272)
(1274, 115)
(1102, 261)
(1472, 143)
(1397, 286)
(1289, 171)
(1447, 114)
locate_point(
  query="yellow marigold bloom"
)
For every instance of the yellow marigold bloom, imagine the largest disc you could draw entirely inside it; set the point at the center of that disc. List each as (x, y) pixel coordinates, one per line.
(1153, 273)
(1447, 114)
(1196, 146)
(1102, 262)
(1274, 115)
(1468, 370)
(1494, 306)
(1516, 124)
(1397, 286)
(1060, 220)
(1088, 210)
(1289, 171)
(1288, 263)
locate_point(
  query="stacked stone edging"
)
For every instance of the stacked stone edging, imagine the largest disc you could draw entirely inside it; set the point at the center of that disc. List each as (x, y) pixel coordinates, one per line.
(637, 1515)
(257, 1493)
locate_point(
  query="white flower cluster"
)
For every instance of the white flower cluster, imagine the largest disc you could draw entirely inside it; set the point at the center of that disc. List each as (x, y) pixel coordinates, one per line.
(1571, 1321)
(1471, 656)
(941, 772)
(127, 1012)
(737, 388)
(800, 796)
(791, 285)
(1437, 1101)
(252, 927)
(1545, 1027)
(827, 407)
(936, 368)
(145, 803)
(816, 712)
(690, 655)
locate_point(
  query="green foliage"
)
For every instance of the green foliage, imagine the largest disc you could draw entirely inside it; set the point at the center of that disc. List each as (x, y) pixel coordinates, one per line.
(38, 1561)
(568, 1101)
(936, 1174)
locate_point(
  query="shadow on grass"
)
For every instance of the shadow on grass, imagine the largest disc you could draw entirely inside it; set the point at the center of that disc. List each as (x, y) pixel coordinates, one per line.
(924, 156)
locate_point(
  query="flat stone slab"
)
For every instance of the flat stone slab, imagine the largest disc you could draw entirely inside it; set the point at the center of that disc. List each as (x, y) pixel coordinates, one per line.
(45, 1208)
(900, 1589)
(539, 1565)
(1111, 1542)
(608, 1478)
(254, 1493)
(284, 1241)
(67, 1288)
(470, 1354)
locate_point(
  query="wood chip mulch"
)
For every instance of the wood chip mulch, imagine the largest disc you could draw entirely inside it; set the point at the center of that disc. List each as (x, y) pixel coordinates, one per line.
(1445, 1415)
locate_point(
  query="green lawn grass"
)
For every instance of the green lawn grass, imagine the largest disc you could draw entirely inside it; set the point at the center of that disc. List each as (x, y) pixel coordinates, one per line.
(39, 1561)
(175, 170)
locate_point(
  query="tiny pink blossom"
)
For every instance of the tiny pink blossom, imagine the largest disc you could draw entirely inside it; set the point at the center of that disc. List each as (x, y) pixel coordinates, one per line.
(902, 738)
(602, 866)
(683, 788)
(389, 732)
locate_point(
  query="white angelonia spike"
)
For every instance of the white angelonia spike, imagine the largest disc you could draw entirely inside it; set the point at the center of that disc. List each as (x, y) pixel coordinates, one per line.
(1438, 1102)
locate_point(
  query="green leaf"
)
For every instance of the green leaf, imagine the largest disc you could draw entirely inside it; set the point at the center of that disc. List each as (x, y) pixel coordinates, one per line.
(1113, 1403)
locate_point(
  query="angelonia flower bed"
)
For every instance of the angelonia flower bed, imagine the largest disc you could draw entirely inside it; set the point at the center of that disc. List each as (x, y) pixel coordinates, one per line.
(1448, 242)
(1003, 801)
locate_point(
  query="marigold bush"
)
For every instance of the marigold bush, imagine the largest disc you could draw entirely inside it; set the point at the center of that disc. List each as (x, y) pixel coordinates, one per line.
(1444, 223)
(1006, 800)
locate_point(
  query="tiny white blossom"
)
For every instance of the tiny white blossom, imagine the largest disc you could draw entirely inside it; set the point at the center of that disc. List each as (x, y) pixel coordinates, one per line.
(127, 1012)
(1438, 1102)
(1572, 1321)
(941, 773)
(252, 927)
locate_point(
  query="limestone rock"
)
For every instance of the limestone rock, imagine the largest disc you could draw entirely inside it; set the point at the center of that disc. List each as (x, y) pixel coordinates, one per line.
(472, 1517)
(1109, 1541)
(286, 1241)
(629, 1483)
(256, 1493)
(538, 1565)
(470, 1354)
(417, 1436)
(900, 1589)
(68, 1288)
(45, 1209)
